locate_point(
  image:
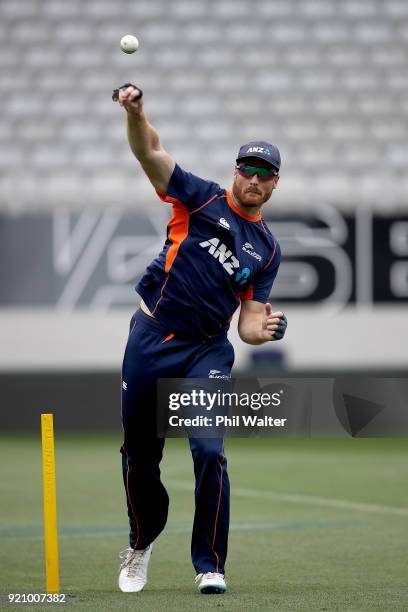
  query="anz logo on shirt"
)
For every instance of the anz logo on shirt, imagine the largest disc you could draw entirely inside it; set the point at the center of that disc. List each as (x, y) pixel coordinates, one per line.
(228, 261)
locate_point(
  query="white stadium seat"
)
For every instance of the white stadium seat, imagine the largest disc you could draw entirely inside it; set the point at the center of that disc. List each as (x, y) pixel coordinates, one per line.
(326, 80)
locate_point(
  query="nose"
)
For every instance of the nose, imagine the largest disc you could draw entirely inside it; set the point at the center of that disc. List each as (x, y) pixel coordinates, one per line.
(255, 179)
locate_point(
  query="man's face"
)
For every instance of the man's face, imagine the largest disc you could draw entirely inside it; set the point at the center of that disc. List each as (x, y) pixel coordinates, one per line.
(252, 191)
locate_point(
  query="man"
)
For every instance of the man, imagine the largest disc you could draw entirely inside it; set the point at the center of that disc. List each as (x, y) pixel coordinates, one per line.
(218, 254)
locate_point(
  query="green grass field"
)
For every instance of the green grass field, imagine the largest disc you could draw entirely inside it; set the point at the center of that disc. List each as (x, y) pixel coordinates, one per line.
(315, 525)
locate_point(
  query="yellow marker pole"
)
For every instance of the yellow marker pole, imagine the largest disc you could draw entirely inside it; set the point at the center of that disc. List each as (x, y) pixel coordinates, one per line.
(50, 505)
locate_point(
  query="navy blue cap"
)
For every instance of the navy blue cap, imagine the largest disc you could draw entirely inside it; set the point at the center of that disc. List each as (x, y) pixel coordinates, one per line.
(264, 150)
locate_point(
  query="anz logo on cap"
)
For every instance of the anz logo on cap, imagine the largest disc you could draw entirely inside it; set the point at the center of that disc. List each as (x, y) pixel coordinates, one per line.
(259, 150)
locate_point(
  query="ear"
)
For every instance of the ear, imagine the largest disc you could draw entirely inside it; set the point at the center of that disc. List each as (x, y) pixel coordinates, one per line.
(276, 182)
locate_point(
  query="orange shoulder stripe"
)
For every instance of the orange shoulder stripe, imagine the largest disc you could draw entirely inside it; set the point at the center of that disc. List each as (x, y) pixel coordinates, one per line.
(178, 231)
(169, 199)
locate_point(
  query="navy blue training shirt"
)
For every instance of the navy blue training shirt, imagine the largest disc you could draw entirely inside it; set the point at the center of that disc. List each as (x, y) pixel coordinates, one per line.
(214, 256)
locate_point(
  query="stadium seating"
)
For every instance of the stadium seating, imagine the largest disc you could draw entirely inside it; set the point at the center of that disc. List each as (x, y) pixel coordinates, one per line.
(326, 80)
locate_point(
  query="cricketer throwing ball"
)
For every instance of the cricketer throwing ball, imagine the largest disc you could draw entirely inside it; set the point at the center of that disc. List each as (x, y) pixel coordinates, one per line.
(219, 255)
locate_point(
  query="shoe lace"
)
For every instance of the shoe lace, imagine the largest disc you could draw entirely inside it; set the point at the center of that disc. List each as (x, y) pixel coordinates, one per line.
(132, 560)
(208, 575)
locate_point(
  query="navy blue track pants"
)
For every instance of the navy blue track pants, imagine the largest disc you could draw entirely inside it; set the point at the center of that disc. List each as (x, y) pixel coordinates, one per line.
(152, 352)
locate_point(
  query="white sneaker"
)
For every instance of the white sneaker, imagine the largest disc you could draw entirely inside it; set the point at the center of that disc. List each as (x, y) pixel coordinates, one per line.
(211, 582)
(133, 570)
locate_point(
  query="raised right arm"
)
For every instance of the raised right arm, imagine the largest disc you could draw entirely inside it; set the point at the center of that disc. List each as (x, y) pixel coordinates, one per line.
(144, 141)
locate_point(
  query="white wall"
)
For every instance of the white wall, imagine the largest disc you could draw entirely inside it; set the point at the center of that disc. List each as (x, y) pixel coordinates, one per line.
(316, 338)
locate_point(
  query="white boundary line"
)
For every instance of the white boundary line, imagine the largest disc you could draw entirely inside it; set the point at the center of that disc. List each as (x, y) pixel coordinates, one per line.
(303, 499)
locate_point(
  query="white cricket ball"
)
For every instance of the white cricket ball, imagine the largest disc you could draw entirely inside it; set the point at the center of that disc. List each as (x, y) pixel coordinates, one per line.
(129, 43)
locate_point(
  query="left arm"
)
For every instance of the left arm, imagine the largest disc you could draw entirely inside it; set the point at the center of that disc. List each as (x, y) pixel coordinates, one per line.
(258, 324)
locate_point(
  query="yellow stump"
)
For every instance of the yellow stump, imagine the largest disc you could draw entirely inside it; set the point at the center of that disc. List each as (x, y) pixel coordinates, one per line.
(50, 505)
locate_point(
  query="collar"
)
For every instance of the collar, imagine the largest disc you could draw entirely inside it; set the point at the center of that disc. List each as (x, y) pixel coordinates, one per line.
(231, 203)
